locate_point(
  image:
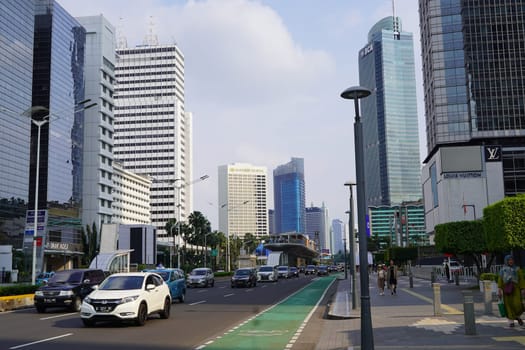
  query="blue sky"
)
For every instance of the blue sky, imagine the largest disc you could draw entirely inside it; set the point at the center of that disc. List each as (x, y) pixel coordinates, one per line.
(263, 80)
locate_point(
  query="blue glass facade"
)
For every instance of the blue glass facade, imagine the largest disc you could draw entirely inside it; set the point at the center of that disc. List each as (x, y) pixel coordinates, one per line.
(389, 115)
(289, 197)
(16, 71)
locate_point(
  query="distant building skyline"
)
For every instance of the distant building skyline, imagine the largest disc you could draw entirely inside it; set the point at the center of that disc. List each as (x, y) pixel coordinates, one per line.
(243, 199)
(289, 197)
(390, 121)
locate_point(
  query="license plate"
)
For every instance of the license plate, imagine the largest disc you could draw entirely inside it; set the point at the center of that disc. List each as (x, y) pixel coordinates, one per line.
(50, 300)
(104, 308)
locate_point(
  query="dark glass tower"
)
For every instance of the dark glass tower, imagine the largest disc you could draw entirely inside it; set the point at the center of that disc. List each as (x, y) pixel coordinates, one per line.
(289, 197)
(58, 87)
(473, 63)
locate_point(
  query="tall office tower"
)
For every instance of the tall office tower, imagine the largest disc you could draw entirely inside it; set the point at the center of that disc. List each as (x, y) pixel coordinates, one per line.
(289, 197)
(97, 194)
(389, 115)
(58, 86)
(242, 198)
(131, 197)
(16, 74)
(339, 237)
(318, 227)
(473, 64)
(152, 129)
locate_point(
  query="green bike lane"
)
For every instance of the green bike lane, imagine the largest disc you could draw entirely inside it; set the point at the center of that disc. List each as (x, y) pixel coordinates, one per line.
(279, 325)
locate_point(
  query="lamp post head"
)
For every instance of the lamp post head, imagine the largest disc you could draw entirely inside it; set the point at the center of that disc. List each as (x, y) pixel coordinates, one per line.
(355, 92)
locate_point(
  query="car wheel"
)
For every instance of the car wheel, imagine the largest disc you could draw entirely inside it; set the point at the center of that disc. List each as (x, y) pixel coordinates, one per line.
(40, 309)
(88, 322)
(232, 285)
(142, 315)
(255, 283)
(165, 313)
(212, 283)
(182, 297)
(75, 306)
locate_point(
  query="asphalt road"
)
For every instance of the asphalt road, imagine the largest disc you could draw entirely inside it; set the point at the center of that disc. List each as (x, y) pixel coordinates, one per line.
(206, 314)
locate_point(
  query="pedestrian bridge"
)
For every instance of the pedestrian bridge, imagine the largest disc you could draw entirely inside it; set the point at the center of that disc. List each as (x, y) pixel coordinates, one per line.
(293, 245)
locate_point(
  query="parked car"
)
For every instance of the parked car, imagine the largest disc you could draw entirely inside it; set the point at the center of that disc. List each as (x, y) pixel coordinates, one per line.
(129, 296)
(322, 270)
(302, 269)
(267, 273)
(175, 280)
(283, 272)
(294, 271)
(67, 288)
(200, 277)
(245, 277)
(310, 270)
(43, 278)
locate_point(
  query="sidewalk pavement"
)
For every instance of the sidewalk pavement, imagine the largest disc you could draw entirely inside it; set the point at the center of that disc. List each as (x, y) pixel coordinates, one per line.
(406, 320)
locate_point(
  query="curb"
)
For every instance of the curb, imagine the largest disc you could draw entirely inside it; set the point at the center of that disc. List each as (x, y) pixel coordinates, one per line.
(9, 303)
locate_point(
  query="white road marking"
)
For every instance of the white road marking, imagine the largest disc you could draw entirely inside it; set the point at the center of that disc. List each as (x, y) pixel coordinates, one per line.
(198, 302)
(41, 341)
(57, 316)
(228, 295)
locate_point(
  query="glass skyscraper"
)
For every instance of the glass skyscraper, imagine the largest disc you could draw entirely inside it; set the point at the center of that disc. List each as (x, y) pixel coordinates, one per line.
(16, 74)
(289, 197)
(389, 115)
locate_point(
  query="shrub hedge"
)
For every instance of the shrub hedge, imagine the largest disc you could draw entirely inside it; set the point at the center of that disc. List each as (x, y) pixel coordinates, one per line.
(18, 289)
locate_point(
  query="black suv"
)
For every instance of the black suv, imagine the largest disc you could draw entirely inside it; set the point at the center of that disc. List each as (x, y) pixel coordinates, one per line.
(246, 277)
(67, 288)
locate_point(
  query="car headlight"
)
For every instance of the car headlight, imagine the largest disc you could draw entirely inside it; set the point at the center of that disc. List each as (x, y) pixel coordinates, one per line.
(39, 293)
(87, 300)
(128, 299)
(66, 293)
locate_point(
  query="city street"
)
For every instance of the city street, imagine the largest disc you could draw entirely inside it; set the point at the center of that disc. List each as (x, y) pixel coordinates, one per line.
(206, 314)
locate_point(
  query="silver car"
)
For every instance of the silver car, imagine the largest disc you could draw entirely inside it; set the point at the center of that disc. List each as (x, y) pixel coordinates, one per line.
(267, 273)
(201, 277)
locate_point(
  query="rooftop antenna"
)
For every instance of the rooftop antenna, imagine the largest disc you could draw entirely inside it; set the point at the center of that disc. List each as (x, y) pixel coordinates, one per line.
(122, 43)
(151, 38)
(395, 23)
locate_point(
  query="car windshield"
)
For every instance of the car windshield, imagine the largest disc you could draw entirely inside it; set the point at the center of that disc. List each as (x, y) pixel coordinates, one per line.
(198, 272)
(122, 283)
(282, 268)
(310, 267)
(164, 274)
(265, 268)
(61, 277)
(242, 272)
(293, 268)
(322, 267)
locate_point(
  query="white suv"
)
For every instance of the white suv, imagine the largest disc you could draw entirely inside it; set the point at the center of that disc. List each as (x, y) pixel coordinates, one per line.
(127, 297)
(267, 273)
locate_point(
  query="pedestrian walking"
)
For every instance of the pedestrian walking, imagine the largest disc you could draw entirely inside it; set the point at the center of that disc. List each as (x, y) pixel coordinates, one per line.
(381, 278)
(392, 277)
(511, 287)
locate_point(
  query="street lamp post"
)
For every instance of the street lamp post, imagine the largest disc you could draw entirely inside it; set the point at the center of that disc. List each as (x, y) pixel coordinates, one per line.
(367, 338)
(39, 123)
(206, 247)
(179, 209)
(350, 185)
(228, 263)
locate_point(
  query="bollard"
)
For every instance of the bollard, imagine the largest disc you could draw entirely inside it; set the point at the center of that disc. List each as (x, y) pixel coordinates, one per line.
(487, 297)
(411, 279)
(437, 298)
(468, 313)
(432, 276)
(456, 277)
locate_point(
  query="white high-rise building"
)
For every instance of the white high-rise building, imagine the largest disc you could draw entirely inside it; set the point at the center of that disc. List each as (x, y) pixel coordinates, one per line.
(99, 66)
(131, 197)
(242, 200)
(338, 236)
(152, 129)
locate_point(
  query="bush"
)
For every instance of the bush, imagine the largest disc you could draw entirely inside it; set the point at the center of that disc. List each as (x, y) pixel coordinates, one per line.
(488, 277)
(222, 274)
(17, 290)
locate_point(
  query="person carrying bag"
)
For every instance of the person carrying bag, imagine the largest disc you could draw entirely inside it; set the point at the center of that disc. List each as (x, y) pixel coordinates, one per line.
(511, 287)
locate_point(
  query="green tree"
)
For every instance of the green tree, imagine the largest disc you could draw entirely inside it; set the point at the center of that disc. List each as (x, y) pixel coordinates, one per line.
(464, 238)
(504, 224)
(90, 243)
